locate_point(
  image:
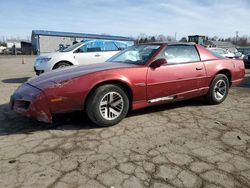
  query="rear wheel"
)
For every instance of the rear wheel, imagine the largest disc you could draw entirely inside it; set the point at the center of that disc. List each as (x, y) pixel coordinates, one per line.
(218, 90)
(61, 65)
(107, 105)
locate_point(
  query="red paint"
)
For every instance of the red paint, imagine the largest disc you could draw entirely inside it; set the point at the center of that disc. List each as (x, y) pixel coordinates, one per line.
(74, 84)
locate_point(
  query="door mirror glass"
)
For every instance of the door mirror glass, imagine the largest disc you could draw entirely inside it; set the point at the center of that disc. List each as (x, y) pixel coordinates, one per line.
(157, 63)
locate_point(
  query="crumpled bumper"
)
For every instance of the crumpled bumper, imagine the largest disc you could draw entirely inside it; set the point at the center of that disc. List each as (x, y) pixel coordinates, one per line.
(31, 102)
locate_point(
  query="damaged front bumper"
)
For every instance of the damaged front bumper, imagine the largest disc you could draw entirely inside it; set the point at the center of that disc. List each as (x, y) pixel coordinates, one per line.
(31, 102)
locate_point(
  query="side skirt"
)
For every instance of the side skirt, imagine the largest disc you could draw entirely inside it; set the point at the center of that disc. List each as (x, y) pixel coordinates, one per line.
(162, 99)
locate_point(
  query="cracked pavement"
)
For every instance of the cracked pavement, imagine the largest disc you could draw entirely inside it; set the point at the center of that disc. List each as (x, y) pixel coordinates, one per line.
(186, 144)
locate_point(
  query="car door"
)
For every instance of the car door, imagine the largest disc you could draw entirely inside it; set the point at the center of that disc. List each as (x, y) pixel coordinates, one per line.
(89, 53)
(182, 76)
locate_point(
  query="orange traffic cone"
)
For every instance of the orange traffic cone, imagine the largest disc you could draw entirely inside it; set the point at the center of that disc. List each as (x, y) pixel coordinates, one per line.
(23, 62)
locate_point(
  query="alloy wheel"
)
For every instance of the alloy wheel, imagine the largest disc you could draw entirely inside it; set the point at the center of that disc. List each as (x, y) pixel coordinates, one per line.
(111, 105)
(220, 90)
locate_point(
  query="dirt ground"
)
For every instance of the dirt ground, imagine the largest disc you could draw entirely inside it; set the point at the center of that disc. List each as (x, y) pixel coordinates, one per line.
(187, 144)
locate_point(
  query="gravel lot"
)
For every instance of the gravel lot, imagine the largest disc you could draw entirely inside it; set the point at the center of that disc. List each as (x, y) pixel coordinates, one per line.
(188, 144)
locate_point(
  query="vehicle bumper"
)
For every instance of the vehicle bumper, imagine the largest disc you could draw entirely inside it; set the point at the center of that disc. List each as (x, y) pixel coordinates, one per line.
(40, 68)
(247, 62)
(31, 102)
(38, 72)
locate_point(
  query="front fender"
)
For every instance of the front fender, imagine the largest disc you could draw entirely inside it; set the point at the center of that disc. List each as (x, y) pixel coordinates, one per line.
(136, 82)
(59, 58)
(112, 77)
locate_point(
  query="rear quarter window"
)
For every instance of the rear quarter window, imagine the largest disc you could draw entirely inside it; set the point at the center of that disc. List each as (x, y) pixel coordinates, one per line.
(216, 54)
(110, 46)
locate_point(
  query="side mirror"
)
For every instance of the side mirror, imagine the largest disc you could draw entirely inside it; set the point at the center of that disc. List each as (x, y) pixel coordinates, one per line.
(157, 63)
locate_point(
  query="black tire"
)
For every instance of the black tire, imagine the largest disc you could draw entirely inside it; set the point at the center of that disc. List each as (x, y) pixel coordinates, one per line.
(212, 97)
(93, 103)
(61, 65)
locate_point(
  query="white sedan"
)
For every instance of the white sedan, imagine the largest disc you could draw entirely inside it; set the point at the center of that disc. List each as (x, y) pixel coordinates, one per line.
(94, 51)
(222, 52)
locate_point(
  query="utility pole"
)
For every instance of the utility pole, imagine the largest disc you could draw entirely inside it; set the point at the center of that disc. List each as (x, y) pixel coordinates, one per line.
(236, 38)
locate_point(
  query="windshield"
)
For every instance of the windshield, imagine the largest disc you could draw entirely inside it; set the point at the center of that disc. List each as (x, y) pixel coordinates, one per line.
(70, 48)
(138, 54)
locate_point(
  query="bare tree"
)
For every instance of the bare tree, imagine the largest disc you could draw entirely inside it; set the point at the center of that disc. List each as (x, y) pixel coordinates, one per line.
(161, 38)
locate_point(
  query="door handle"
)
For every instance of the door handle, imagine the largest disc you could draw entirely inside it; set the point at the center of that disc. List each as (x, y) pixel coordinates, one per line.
(97, 55)
(199, 68)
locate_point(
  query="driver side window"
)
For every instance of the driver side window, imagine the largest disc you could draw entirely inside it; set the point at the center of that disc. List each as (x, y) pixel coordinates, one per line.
(180, 54)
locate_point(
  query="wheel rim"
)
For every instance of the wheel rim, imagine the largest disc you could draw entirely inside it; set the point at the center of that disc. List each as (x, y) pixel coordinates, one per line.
(220, 90)
(111, 106)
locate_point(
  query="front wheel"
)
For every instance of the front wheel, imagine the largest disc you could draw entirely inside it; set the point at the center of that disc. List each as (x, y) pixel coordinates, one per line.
(107, 105)
(218, 90)
(61, 65)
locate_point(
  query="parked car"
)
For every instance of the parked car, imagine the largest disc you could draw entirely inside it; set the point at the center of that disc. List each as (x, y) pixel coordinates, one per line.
(137, 77)
(2, 48)
(93, 51)
(12, 51)
(222, 52)
(8, 51)
(244, 50)
(246, 59)
(237, 54)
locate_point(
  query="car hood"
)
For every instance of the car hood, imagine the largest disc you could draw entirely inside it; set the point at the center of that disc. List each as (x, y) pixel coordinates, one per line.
(67, 73)
(51, 54)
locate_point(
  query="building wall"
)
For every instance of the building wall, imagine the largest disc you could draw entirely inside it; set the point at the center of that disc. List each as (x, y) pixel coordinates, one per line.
(26, 48)
(10, 44)
(52, 43)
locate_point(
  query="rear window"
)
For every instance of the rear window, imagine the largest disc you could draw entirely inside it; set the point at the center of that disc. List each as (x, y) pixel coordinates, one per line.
(216, 54)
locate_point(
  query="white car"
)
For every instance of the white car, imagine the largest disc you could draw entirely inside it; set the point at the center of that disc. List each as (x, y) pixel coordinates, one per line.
(93, 51)
(222, 52)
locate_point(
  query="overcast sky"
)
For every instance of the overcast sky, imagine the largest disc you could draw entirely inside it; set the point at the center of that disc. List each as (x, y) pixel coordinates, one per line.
(126, 17)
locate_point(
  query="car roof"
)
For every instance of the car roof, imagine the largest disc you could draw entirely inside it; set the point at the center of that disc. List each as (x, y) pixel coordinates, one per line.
(102, 40)
(170, 43)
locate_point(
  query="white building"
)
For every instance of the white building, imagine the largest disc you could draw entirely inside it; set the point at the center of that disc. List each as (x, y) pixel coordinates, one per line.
(50, 41)
(1, 49)
(12, 43)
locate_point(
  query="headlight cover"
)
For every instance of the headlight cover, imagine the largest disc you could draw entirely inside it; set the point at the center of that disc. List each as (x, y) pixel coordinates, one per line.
(43, 59)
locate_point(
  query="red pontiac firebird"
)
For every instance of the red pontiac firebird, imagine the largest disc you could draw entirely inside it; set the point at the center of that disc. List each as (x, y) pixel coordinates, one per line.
(140, 76)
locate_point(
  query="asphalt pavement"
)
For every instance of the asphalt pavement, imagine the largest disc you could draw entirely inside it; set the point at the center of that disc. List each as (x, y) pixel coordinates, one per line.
(186, 144)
